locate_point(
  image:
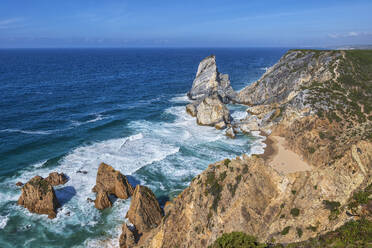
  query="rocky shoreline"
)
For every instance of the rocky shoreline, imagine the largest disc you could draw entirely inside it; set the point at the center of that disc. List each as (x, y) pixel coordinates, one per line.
(251, 194)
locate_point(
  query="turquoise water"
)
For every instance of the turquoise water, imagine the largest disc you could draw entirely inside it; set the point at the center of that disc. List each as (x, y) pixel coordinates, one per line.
(69, 109)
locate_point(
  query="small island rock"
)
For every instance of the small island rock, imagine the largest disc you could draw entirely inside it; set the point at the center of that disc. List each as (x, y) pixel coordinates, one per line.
(113, 182)
(38, 196)
(209, 81)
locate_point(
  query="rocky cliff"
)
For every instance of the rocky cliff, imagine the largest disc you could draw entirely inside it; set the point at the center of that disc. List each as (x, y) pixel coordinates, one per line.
(319, 102)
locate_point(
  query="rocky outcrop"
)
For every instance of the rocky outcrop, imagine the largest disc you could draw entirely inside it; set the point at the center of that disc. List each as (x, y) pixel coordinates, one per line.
(56, 178)
(191, 108)
(128, 238)
(283, 81)
(38, 197)
(209, 81)
(102, 200)
(230, 132)
(212, 111)
(211, 90)
(110, 182)
(144, 212)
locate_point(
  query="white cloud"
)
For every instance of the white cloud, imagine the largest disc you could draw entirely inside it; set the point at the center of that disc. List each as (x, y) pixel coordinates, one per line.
(9, 23)
(348, 34)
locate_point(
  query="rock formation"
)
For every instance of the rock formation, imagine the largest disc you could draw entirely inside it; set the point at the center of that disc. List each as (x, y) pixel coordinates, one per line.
(209, 81)
(38, 197)
(319, 102)
(110, 182)
(56, 178)
(210, 90)
(144, 213)
(230, 132)
(102, 200)
(212, 111)
(128, 238)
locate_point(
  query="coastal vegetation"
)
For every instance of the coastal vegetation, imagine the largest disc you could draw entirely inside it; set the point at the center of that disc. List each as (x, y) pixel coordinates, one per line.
(352, 234)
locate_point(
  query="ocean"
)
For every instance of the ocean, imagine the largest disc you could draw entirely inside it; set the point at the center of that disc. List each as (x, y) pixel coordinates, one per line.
(67, 110)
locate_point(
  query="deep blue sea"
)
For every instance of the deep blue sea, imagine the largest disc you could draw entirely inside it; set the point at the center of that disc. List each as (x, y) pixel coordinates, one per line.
(67, 110)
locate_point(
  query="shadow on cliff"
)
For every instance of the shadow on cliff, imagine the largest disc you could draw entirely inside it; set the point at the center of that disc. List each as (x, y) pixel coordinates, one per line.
(65, 194)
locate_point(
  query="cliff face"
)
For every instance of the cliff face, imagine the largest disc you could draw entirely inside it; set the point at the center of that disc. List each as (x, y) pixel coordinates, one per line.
(319, 101)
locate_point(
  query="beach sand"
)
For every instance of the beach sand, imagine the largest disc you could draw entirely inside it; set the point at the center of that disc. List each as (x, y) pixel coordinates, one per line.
(281, 158)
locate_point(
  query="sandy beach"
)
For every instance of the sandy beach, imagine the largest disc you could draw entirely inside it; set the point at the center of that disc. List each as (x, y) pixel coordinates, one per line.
(281, 158)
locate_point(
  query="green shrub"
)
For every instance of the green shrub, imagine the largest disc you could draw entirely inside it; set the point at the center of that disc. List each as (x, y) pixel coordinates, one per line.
(226, 162)
(295, 212)
(285, 231)
(299, 232)
(331, 205)
(293, 192)
(236, 240)
(222, 176)
(312, 228)
(311, 150)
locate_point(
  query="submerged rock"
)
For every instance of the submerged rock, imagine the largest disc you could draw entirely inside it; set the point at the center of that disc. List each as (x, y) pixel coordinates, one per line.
(212, 111)
(38, 196)
(209, 81)
(144, 212)
(19, 184)
(113, 182)
(56, 178)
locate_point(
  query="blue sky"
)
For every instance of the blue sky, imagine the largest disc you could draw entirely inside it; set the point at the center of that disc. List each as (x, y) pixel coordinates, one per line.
(188, 23)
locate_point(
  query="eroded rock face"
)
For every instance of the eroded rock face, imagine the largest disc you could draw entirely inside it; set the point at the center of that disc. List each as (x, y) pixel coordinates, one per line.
(191, 109)
(144, 212)
(212, 111)
(38, 197)
(113, 182)
(56, 178)
(209, 81)
(102, 200)
(128, 238)
(283, 81)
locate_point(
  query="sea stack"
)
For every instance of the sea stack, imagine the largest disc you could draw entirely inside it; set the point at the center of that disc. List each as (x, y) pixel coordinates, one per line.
(209, 81)
(210, 91)
(110, 182)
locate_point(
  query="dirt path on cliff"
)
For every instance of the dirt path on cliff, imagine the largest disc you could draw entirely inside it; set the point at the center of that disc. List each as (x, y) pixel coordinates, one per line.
(281, 158)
